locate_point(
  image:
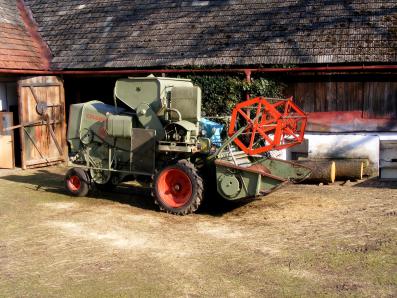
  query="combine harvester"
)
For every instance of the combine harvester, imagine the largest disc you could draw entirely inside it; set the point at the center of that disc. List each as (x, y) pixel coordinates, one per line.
(154, 132)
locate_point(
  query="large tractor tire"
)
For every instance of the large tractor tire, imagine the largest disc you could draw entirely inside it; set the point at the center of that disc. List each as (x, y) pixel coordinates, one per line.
(77, 182)
(178, 189)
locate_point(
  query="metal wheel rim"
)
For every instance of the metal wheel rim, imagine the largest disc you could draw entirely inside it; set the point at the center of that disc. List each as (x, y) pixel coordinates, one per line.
(74, 183)
(174, 187)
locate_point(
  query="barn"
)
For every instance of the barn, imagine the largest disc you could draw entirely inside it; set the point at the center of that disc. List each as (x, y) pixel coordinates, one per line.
(337, 58)
(23, 55)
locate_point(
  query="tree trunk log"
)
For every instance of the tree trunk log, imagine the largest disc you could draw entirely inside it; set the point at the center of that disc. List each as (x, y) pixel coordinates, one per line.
(349, 169)
(322, 170)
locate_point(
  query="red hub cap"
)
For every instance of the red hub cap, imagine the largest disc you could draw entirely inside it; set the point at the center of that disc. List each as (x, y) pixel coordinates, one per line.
(74, 183)
(174, 187)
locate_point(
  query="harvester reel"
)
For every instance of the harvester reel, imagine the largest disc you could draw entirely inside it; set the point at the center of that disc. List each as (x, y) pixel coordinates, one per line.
(267, 125)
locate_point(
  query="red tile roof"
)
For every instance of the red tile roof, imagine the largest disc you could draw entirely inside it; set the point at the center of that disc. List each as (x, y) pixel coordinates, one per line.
(20, 46)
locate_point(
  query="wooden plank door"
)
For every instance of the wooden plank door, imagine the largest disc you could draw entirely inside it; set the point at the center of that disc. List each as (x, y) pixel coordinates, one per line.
(7, 160)
(42, 120)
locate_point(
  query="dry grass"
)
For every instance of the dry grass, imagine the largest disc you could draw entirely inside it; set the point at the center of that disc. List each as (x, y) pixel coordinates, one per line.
(299, 241)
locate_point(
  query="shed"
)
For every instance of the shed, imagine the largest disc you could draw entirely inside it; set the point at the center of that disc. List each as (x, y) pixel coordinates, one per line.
(40, 137)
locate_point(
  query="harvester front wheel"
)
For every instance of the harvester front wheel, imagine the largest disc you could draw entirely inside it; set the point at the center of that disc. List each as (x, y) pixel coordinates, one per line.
(178, 188)
(77, 182)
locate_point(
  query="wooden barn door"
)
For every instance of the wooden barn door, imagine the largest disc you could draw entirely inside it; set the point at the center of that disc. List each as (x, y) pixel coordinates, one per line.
(42, 120)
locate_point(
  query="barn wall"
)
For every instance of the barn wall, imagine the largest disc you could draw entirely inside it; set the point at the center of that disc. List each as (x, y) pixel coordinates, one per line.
(348, 116)
(89, 88)
(347, 103)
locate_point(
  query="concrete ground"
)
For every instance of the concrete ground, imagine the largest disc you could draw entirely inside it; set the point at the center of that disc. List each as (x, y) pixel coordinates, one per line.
(302, 240)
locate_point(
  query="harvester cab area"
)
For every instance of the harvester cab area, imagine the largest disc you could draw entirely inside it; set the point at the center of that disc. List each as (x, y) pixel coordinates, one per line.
(170, 107)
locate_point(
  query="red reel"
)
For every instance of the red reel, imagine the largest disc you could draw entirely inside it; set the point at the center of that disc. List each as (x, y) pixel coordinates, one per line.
(271, 124)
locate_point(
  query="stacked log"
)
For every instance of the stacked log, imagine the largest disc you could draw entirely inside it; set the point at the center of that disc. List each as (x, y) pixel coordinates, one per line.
(329, 170)
(323, 171)
(349, 169)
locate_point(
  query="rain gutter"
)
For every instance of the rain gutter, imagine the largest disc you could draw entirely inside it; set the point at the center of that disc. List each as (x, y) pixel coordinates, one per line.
(246, 71)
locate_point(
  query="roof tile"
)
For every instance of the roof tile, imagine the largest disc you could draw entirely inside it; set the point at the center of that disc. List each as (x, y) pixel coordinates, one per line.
(152, 33)
(18, 49)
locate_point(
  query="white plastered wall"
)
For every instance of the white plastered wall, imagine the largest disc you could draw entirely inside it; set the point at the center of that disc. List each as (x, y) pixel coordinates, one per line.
(354, 145)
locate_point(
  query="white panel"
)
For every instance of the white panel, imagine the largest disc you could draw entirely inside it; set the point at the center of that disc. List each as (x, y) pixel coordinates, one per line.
(388, 151)
(388, 173)
(387, 136)
(388, 159)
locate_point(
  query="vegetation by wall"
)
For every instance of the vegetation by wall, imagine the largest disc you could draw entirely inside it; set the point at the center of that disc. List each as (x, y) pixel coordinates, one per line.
(222, 92)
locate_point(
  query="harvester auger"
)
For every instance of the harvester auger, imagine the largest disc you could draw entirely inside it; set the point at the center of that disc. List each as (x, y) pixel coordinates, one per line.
(155, 132)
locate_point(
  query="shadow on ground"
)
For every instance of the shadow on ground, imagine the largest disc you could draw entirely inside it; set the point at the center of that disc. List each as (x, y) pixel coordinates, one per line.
(140, 197)
(376, 183)
(48, 181)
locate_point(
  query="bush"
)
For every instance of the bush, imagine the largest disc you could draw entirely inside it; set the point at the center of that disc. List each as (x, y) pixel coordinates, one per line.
(221, 93)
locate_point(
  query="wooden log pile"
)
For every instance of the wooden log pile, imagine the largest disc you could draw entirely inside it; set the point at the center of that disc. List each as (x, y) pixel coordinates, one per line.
(329, 170)
(323, 171)
(349, 169)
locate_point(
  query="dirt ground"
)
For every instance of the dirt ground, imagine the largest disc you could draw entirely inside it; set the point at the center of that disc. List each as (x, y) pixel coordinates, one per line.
(302, 240)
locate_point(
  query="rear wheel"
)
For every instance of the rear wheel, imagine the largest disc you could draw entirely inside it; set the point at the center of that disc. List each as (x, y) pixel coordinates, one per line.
(77, 182)
(178, 188)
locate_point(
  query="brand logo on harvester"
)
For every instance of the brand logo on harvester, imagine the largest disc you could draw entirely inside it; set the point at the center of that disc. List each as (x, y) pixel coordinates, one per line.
(98, 118)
